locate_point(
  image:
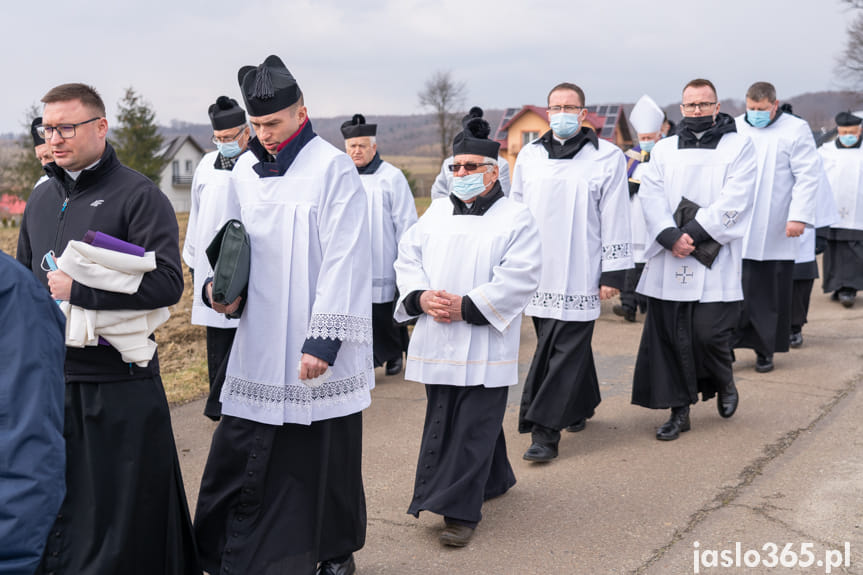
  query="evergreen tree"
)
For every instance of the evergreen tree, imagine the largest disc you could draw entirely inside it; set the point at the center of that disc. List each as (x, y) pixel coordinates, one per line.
(136, 138)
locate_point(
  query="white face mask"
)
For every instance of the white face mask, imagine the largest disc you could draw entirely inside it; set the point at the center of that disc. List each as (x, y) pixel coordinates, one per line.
(468, 187)
(564, 125)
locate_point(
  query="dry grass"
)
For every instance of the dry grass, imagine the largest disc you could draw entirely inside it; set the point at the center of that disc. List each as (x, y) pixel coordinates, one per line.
(182, 346)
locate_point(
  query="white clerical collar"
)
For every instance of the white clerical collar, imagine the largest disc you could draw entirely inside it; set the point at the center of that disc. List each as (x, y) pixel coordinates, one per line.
(74, 175)
(559, 141)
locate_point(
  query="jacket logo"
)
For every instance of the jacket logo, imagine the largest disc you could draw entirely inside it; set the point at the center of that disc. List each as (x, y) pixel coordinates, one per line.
(97, 203)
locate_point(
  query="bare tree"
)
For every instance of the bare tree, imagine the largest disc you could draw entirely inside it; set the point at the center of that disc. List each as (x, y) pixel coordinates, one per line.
(446, 97)
(849, 66)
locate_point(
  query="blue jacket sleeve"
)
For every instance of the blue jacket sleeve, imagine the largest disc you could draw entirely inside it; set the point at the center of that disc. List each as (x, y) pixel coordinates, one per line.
(32, 391)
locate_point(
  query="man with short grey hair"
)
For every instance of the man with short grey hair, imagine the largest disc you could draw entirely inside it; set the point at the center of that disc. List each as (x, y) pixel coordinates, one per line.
(392, 211)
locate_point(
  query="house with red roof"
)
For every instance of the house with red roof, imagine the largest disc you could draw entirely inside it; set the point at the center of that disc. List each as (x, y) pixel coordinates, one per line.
(11, 209)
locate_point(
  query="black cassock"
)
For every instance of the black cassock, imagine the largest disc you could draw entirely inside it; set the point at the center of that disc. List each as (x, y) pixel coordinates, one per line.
(765, 319)
(561, 386)
(462, 460)
(805, 274)
(685, 350)
(125, 509)
(279, 498)
(389, 340)
(843, 259)
(219, 342)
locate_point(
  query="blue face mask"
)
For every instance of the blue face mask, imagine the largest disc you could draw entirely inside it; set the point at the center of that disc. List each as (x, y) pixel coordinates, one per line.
(848, 140)
(467, 187)
(758, 118)
(646, 145)
(564, 125)
(229, 149)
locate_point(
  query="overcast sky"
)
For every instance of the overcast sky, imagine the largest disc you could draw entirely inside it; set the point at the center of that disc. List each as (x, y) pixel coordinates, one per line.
(373, 56)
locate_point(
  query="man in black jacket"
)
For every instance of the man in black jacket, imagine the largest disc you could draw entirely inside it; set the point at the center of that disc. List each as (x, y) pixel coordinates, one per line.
(125, 509)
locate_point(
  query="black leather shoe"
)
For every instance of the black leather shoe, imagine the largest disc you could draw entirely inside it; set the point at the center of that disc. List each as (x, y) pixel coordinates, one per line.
(676, 424)
(796, 339)
(834, 296)
(455, 535)
(763, 363)
(540, 452)
(394, 366)
(847, 298)
(577, 426)
(727, 399)
(624, 312)
(346, 567)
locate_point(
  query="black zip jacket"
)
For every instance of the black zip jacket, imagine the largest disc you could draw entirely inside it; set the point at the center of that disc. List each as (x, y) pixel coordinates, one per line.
(115, 200)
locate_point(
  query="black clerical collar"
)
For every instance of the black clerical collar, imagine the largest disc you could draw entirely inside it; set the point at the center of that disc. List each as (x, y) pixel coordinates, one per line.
(770, 123)
(372, 166)
(479, 206)
(270, 167)
(568, 149)
(709, 139)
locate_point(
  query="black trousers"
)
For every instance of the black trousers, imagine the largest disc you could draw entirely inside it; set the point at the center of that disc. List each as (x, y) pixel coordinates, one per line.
(219, 342)
(629, 298)
(390, 340)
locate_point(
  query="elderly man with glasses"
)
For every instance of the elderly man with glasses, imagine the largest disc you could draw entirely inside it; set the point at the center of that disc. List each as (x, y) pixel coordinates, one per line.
(466, 269)
(697, 194)
(208, 214)
(125, 507)
(576, 187)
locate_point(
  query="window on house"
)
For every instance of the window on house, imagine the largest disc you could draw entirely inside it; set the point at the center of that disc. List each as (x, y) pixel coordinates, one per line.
(188, 166)
(175, 168)
(528, 137)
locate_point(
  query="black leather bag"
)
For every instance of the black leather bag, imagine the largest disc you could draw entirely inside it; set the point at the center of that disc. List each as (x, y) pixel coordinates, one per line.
(230, 255)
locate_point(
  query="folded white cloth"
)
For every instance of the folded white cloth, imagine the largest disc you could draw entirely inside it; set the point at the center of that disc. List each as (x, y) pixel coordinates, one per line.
(128, 331)
(104, 269)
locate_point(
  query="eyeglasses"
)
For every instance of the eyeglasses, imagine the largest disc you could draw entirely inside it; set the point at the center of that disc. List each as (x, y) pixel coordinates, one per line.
(66, 131)
(470, 167)
(567, 109)
(697, 106)
(216, 140)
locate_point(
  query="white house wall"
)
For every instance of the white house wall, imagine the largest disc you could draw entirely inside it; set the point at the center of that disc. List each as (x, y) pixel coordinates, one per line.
(179, 195)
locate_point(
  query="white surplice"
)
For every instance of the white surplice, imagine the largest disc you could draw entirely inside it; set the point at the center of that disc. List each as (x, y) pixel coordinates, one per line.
(844, 168)
(789, 173)
(391, 212)
(826, 214)
(310, 277)
(443, 182)
(495, 260)
(636, 220)
(582, 208)
(206, 217)
(722, 181)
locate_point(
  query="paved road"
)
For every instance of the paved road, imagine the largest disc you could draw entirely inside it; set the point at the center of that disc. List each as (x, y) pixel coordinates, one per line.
(787, 468)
